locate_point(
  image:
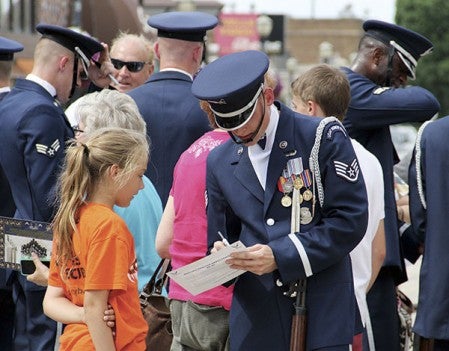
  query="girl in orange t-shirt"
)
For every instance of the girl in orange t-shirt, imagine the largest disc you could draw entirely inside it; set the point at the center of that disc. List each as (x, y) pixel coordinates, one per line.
(94, 263)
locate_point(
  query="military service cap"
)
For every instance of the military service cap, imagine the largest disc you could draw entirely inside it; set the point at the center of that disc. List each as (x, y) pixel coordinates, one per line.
(188, 26)
(231, 85)
(409, 45)
(70, 39)
(8, 47)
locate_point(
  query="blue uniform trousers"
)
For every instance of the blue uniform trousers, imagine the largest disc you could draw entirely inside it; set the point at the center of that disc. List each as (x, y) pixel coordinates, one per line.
(382, 300)
(6, 320)
(33, 331)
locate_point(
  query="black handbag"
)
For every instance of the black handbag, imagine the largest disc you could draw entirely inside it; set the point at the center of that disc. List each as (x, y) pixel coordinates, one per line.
(155, 310)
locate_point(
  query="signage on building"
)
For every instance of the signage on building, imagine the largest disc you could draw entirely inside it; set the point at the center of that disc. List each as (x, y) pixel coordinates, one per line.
(274, 43)
(237, 32)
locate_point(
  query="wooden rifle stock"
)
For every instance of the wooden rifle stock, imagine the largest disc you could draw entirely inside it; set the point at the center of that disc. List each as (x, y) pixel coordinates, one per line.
(425, 344)
(299, 319)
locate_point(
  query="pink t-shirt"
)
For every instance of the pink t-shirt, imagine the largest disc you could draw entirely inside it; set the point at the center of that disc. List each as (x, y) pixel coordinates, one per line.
(190, 225)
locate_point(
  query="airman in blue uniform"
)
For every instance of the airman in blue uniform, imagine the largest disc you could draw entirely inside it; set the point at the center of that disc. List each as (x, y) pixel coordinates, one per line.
(387, 55)
(289, 187)
(32, 144)
(173, 116)
(8, 48)
(429, 202)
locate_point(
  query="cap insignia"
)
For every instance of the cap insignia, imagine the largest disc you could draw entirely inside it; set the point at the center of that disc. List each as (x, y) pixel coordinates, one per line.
(219, 102)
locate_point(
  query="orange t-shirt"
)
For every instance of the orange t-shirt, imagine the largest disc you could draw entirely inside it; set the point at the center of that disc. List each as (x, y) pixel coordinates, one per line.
(105, 260)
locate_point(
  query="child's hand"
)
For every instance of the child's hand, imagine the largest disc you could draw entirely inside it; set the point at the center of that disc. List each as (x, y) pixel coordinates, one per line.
(40, 275)
(109, 318)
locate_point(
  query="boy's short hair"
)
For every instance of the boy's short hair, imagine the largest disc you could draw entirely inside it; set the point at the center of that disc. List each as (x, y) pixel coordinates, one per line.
(327, 86)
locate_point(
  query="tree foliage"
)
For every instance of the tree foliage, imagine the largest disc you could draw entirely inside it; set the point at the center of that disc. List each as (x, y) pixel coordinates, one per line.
(431, 19)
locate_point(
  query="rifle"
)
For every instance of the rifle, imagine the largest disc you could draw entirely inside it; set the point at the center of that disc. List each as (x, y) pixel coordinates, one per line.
(299, 319)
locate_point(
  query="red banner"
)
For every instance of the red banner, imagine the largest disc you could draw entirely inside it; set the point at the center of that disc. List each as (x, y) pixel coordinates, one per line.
(237, 32)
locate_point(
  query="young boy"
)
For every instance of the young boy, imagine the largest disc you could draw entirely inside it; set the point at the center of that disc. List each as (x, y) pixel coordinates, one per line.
(324, 91)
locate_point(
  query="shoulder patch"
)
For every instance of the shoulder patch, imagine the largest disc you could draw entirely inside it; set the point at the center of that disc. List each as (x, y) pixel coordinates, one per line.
(334, 129)
(348, 172)
(380, 90)
(49, 151)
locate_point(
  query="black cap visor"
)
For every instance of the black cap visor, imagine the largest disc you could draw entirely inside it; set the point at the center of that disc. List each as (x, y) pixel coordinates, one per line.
(232, 121)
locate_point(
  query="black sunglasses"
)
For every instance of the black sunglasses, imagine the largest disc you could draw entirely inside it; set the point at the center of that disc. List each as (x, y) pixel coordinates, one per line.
(132, 66)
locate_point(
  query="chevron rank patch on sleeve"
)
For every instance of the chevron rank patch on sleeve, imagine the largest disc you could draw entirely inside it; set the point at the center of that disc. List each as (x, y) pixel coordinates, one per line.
(348, 172)
(49, 151)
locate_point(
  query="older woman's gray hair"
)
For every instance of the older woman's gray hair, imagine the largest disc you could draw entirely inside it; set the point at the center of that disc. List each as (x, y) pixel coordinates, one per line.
(106, 108)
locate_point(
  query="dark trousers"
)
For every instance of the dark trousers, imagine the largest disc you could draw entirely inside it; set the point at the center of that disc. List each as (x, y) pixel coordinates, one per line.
(423, 344)
(6, 319)
(335, 348)
(382, 305)
(33, 331)
(440, 345)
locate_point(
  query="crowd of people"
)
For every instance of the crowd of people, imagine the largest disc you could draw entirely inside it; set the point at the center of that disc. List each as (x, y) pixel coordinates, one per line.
(168, 157)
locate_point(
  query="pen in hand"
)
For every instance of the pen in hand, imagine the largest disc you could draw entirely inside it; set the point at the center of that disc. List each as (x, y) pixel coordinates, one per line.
(223, 239)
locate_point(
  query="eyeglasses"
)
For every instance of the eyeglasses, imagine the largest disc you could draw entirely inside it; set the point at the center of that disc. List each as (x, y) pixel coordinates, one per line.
(132, 66)
(77, 130)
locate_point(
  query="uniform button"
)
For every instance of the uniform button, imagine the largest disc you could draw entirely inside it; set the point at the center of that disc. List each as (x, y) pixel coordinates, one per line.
(270, 221)
(279, 283)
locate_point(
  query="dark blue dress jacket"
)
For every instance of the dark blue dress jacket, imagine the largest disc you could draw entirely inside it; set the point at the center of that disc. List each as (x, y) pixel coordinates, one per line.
(34, 131)
(7, 207)
(174, 121)
(429, 204)
(371, 112)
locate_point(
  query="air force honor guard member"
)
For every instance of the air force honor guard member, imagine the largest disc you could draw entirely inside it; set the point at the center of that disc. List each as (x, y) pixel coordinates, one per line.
(429, 186)
(8, 48)
(165, 101)
(307, 166)
(387, 55)
(32, 147)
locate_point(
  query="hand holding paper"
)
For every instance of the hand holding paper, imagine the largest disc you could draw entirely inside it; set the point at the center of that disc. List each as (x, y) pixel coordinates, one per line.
(208, 272)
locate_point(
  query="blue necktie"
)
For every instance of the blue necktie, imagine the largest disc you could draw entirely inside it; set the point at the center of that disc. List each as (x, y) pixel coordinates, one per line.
(262, 141)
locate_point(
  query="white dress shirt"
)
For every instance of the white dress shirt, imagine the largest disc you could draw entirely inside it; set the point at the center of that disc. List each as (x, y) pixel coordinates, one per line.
(259, 157)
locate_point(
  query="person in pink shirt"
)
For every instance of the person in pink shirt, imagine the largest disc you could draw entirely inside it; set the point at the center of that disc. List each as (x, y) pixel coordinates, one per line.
(199, 322)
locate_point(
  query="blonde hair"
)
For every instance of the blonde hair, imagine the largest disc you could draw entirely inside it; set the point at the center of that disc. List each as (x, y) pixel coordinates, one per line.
(270, 79)
(85, 166)
(48, 52)
(145, 44)
(325, 85)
